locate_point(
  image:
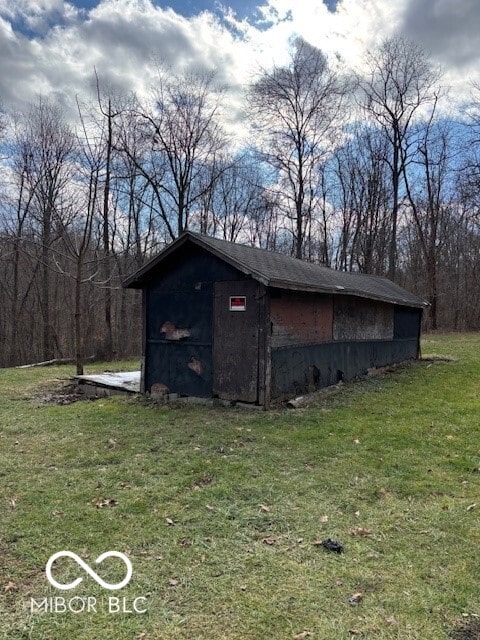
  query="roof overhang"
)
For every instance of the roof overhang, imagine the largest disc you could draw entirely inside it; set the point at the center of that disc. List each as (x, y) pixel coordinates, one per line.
(140, 277)
(137, 280)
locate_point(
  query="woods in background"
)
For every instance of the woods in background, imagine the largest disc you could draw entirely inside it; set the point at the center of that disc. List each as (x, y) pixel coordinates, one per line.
(362, 173)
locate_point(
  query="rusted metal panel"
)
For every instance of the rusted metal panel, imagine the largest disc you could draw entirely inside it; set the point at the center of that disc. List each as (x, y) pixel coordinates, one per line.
(297, 370)
(357, 319)
(236, 341)
(300, 319)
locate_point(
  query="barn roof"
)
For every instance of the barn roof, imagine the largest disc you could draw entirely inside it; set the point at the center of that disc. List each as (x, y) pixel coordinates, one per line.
(283, 272)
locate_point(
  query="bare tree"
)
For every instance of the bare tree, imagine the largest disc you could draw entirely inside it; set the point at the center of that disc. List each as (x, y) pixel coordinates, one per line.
(361, 200)
(180, 137)
(429, 187)
(110, 109)
(234, 197)
(399, 82)
(47, 146)
(294, 110)
(16, 209)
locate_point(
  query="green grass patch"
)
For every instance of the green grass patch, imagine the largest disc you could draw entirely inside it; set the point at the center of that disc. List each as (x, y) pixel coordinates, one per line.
(219, 509)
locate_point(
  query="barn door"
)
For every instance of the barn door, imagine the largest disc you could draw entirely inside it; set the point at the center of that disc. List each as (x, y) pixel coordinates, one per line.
(236, 340)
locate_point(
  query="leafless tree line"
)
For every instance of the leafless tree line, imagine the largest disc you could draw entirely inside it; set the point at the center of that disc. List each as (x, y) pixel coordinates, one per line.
(359, 172)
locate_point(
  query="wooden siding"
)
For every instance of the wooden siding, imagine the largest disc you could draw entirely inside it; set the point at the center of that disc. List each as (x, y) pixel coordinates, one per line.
(298, 370)
(357, 319)
(300, 319)
(236, 342)
(178, 308)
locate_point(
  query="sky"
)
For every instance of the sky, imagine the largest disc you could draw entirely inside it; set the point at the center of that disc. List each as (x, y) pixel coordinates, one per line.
(51, 47)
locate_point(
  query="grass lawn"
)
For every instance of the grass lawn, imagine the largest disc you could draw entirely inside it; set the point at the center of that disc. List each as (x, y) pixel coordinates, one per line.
(219, 510)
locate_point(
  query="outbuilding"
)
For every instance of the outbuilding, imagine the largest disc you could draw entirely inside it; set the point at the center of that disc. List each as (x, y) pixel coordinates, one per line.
(240, 323)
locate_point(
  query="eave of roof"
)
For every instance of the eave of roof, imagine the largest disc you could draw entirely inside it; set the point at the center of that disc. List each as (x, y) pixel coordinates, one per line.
(396, 295)
(136, 280)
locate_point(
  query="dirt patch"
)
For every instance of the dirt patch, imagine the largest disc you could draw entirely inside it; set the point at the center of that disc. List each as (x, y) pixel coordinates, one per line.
(62, 396)
(466, 631)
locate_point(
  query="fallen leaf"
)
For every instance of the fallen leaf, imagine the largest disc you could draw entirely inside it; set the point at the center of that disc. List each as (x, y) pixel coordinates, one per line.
(269, 540)
(357, 441)
(173, 582)
(302, 635)
(471, 506)
(11, 586)
(13, 503)
(169, 521)
(355, 599)
(57, 513)
(141, 636)
(355, 632)
(323, 518)
(265, 508)
(104, 502)
(391, 621)
(209, 507)
(360, 531)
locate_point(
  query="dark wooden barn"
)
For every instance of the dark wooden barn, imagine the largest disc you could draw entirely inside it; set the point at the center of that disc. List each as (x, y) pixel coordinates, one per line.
(225, 320)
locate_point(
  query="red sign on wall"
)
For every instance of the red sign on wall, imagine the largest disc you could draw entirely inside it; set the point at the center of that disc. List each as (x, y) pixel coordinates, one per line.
(238, 303)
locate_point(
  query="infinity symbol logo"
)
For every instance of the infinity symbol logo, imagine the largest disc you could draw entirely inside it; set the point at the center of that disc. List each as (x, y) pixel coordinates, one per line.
(89, 570)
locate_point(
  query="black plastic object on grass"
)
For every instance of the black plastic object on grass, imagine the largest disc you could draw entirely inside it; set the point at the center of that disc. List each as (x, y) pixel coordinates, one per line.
(333, 545)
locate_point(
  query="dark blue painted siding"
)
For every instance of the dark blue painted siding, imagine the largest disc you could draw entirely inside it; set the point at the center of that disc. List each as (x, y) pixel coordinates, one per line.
(181, 293)
(407, 322)
(292, 366)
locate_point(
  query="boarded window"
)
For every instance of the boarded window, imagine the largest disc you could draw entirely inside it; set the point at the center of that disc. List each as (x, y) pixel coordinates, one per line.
(357, 319)
(301, 319)
(407, 322)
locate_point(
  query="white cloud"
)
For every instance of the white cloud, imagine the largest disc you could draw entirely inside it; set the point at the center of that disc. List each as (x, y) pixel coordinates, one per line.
(53, 47)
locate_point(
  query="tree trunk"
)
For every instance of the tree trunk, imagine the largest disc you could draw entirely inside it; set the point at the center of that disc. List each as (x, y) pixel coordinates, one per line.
(108, 333)
(78, 319)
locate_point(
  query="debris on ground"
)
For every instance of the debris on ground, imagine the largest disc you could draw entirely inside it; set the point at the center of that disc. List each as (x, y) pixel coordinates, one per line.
(331, 545)
(355, 599)
(466, 631)
(63, 396)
